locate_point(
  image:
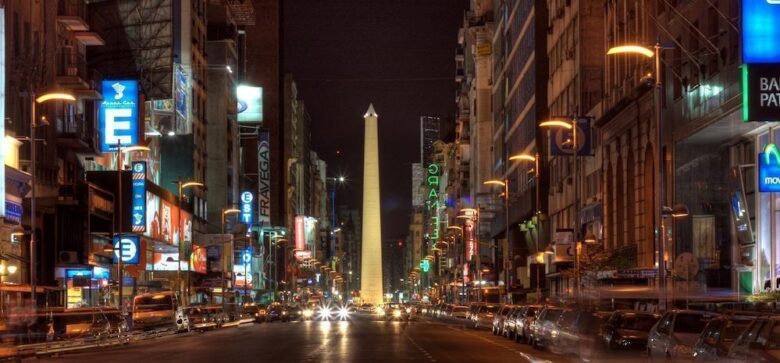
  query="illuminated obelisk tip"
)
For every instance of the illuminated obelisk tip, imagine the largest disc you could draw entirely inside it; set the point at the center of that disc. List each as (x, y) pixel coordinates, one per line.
(371, 256)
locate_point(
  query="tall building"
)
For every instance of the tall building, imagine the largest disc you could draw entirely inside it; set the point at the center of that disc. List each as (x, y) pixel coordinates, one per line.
(430, 131)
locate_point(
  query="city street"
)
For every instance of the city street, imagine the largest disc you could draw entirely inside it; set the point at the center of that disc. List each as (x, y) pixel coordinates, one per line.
(360, 339)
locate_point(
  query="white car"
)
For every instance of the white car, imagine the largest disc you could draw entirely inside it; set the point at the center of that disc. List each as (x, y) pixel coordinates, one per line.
(674, 336)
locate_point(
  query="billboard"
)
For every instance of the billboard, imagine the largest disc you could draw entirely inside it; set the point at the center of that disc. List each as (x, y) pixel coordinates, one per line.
(300, 233)
(760, 31)
(166, 261)
(264, 176)
(250, 104)
(153, 221)
(118, 116)
(199, 259)
(138, 214)
(181, 97)
(169, 218)
(129, 248)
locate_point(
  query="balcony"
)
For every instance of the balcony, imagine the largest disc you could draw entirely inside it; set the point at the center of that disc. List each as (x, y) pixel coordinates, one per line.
(72, 70)
(72, 133)
(72, 14)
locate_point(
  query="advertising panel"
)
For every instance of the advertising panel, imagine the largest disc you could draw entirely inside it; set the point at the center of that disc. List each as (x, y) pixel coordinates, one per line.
(243, 275)
(561, 144)
(471, 243)
(182, 84)
(246, 207)
(139, 196)
(168, 221)
(761, 92)
(199, 259)
(250, 104)
(563, 240)
(118, 117)
(769, 169)
(264, 177)
(300, 233)
(186, 224)
(153, 218)
(166, 261)
(129, 247)
(760, 31)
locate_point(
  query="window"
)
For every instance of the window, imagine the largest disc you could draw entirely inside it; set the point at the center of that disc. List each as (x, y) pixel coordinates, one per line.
(665, 325)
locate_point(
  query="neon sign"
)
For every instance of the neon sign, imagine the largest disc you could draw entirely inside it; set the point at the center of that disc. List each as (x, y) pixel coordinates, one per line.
(432, 182)
(246, 207)
(139, 196)
(118, 116)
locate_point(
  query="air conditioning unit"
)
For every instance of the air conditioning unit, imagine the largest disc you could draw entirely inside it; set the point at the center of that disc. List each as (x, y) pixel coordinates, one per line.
(67, 257)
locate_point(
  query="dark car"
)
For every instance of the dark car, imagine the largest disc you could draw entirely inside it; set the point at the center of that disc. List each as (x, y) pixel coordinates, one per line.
(257, 311)
(719, 335)
(627, 330)
(758, 343)
(291, 313)
(275, 312)
(675, 334)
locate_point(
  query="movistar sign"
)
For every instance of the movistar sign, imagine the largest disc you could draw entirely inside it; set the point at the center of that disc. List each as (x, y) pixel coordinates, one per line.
(769, 169)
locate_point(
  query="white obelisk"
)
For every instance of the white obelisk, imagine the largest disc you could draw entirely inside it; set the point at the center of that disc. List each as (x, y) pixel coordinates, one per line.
(371, 255)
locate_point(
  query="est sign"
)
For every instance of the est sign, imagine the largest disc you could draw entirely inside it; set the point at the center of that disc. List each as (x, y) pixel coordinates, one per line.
(118, 116)
(760, 92)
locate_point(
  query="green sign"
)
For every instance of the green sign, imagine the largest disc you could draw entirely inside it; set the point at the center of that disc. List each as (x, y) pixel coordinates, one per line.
(425, 265)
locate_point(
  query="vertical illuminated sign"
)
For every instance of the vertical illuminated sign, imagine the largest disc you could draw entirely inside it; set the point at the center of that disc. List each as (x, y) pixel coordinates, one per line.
(471, 245)
(2, 111)
(118, 116)
(432, 183)
(769, 169)
(246, 207)
(300, 233)
(139, 197)
(264, 176)
(250, 104)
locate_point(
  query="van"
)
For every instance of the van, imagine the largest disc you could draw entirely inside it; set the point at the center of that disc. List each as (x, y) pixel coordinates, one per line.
(159, 310)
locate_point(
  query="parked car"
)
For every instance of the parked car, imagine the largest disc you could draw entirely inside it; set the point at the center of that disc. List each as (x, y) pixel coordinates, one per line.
(203, 317)
(509, 321)
(627, 330)
(719, 335)
(258, 311)
(542, 326)
(523, 321)
(483, 318)
(758, 343)
(159, 310)
(500, 318)
(576, 333)
(459, 312)
(473, 308)
(675, 334)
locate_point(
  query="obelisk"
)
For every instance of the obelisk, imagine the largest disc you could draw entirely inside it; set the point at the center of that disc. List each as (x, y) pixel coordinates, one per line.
(371, 255)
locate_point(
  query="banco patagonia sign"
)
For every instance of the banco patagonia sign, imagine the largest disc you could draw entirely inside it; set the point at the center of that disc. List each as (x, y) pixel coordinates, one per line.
(761, 92)
(769, 169)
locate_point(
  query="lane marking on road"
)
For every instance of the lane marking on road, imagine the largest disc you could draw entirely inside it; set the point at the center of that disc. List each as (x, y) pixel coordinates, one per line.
(424, 352)
(525, 356)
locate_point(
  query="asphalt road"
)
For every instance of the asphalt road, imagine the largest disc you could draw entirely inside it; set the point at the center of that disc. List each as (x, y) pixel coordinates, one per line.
(359, 340)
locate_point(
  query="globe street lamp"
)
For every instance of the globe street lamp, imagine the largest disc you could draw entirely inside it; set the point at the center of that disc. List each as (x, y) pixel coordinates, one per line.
(53, 96)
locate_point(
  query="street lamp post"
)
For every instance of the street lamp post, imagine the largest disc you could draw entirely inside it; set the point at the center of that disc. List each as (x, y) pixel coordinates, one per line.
(659, 165)
(225, 212)
(181, 186)
(508, 271)
(33, 100)
(474, 217)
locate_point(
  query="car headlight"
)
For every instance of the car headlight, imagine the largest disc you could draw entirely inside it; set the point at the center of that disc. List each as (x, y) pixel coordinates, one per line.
(396, 313)
(284, 313)
(408, 310)
(343, 313)
(308, 313)
(380, 312)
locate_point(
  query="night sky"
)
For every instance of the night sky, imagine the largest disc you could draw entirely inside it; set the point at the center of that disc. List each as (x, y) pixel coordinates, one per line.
(398, 54)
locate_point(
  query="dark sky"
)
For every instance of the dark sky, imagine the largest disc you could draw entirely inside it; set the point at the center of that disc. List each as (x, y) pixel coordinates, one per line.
(398, 54)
